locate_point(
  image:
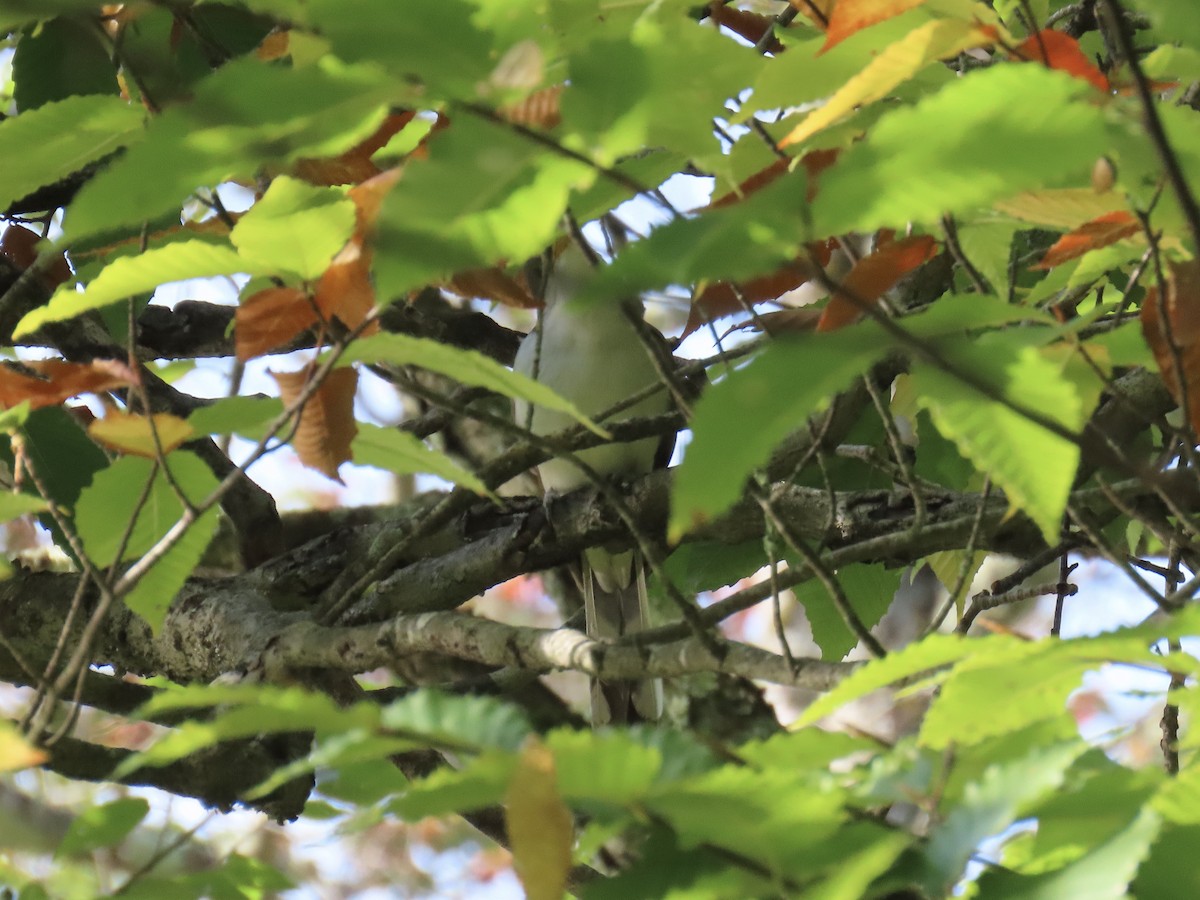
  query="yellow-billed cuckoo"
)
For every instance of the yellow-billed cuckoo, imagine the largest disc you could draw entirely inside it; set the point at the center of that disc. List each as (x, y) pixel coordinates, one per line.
(591, 353)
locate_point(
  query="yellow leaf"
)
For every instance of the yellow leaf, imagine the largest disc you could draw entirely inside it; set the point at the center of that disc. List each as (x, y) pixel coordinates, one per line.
(540, 828)
(16, 752)
(895, 65)
(1060, 207)
(131, 433)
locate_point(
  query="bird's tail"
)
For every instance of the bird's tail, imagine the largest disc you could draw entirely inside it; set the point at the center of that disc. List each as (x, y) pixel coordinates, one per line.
(613, 609)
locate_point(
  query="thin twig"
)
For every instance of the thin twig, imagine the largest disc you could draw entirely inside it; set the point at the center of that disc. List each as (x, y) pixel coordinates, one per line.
(964, 568)
(950, 229)
(1154, 127)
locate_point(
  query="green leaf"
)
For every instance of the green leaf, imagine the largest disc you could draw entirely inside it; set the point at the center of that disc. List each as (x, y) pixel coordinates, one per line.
(471, 722)
(484, 194)
(295, 227)
(924, 656)
(245, 115)
(1038, 686)
(247, 416)
(130, 275)
(808, 750)
(14, 505)
(67, 136)
(616, 104)
(437, 41)
(707, 565)
(752, 237)
(465, 366)
(743, 417)
(60, 59)
(64, 457)
(112, 500)
(770, 816)
(112, 497)
(1173, 19)
(987, 135)
(1102, 874)
(988, 245)
(238, 877)
(1034, 466)
(1036, 677)
(990, 806)
(481, 782)
(664, 869)
(105, 825)
(18, 12)
(1178, 800)
(869, 588)
(334, 751)
(363, 783)
(153, 594)
(605, 768)
(1170, 869)
(1098, 799)
(250, 709)
(398, 451)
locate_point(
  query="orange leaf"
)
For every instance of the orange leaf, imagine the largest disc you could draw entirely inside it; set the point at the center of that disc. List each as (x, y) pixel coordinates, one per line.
(345, 291)
(19, 247)
(54, 380)
(131, 433)
(816, 11)
(493, 284)
(1181, 301)
(789, 321)
(326, 425)
(541, 109)
(722, 299)
(275, 45)
(270, 319)
(749, 25)
(353, 166)
(852, 16)
(815, 162)
(539, 824)
(1108, 229)
(1062, 52)
(874, 275)
(368, 200)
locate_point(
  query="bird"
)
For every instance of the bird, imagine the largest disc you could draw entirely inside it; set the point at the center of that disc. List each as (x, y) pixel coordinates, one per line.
(591, 353)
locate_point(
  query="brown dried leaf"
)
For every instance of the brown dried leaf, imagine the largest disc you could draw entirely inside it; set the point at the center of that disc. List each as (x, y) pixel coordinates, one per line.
(355, 165)
(50, 382)
(493, 284)
(19, 247)
(345, 291)
(541, 109)
(326, 428)
(874, 275)
(724, 299)
(749, 25)
(270, 319)
(1175, 339)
